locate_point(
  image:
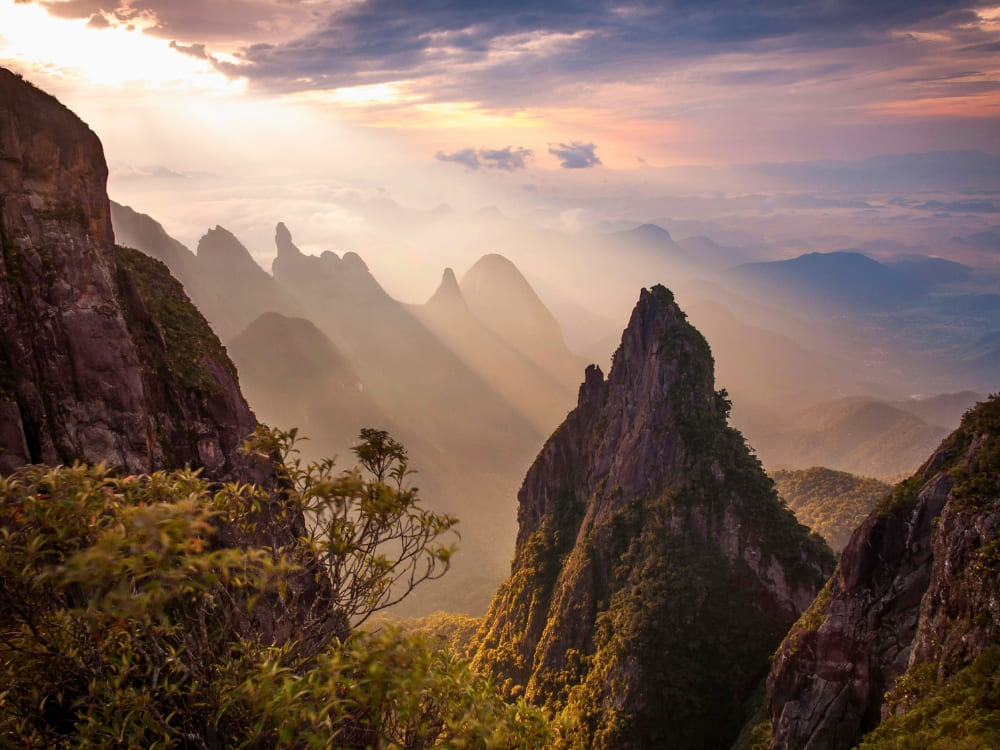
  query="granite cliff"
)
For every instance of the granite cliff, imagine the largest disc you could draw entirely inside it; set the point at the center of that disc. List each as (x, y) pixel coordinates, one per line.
(910, 615)
(655, 569)
(102, 356)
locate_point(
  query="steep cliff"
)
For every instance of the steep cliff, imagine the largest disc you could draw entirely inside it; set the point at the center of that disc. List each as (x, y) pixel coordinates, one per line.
(102, 356)
(655, 569)
(912, 608)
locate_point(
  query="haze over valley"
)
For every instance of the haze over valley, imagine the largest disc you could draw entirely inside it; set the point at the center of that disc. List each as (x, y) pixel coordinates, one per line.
(572, 361)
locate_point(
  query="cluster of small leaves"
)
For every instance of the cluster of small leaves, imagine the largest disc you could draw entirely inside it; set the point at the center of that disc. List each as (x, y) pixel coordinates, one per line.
(124, 621)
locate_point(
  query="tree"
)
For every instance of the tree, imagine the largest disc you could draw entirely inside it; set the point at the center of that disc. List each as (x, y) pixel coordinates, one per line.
(128, 617)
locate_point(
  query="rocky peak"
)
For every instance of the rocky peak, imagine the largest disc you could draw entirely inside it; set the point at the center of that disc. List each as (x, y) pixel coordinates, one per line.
(913, 603)
(645, 525)
(102, 356)
(220, 247)
(283, 241)
(448, 295)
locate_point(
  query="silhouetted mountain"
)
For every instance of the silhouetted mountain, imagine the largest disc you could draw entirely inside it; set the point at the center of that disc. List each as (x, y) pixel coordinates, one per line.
(944, 410)
(905, 636)
(504, 301)
(223, 280)
(294, 376)
(535, 394)
(835, 281)
(931, 271)
(654, 562)
(473, 443)
(860, 436)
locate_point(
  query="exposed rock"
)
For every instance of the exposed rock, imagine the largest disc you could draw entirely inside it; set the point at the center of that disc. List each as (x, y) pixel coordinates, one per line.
(917, 587)
(655, 568)
(102, 356)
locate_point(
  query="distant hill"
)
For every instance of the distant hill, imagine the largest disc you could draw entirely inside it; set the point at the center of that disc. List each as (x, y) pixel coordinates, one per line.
(831, 503)
(860, 436)
(538, 396)
(839, 280)
(499, 296)
(294, 376)
(944, 410)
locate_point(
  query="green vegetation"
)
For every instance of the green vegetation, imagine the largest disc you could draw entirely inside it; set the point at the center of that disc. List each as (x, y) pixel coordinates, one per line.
(963, 712)
(832, 503)
(455, 632)
(126, 621)
(181, 332)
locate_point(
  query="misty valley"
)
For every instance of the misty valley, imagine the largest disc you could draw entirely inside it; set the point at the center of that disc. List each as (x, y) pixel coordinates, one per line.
(728, 477)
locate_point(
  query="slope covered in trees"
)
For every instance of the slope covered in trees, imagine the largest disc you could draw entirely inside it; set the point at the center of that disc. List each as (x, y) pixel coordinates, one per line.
(831, 503)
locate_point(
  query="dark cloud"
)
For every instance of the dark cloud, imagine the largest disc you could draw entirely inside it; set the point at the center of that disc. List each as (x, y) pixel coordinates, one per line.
(383, 40)
(575, 155)
(467, 157)
(507, 159)
(194, 50)
(965, 206)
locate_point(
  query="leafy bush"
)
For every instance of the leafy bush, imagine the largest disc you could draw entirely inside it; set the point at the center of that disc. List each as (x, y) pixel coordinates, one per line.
(125, 620)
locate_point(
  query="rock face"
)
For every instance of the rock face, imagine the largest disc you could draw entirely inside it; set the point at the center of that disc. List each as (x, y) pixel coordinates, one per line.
(102, 357)
(655, 569)
(917, 592)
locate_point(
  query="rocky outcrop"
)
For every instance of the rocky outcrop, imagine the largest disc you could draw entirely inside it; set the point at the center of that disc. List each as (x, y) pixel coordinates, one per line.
(102, 356)
(655, 569)
(916, 594)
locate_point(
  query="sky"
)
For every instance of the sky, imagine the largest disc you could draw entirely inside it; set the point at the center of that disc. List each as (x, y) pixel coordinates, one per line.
(246, 112)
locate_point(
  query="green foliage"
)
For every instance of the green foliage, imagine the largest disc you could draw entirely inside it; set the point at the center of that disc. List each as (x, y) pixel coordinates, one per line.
(455, 632)
(670, 628)
(373, 541)
(124, 620)
(832, 503)
(960, 714)
(188, 342)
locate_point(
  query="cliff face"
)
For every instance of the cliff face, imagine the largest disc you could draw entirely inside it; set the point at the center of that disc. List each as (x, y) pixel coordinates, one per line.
(102, 357)
(655, 568)
(916, 596)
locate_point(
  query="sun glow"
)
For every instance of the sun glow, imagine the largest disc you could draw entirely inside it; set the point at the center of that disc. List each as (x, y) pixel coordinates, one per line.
(73, 50)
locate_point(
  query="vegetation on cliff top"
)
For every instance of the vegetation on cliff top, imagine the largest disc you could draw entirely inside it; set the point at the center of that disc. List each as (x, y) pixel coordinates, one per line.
(124, 619)
(187, 339)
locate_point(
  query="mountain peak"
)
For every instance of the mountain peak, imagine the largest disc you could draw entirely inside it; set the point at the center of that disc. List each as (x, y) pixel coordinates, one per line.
(220, 246)
(283, 241)
(448, 293)
(645, 525)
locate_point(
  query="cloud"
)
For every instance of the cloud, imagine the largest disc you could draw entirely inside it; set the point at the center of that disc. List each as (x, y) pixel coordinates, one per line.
(193, 50)
(575, 155)
(466, 157)
(507, 159)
